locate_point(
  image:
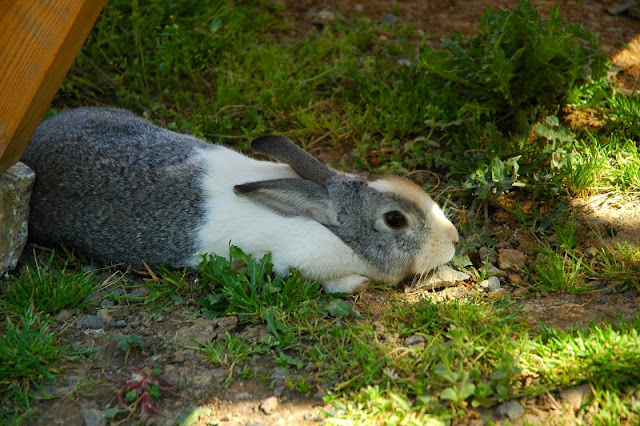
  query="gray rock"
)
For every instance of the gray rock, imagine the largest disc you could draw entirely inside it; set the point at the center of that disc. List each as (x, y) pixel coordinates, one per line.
(279, 387)
(487, 254)
(575, 396)
(94, 417)
(15, 193)
(390, 19)
(254, 423)
(91, 322)
(510, 409)
(269, 405)
(492, 270)
(414, 340)
(201, 331)
(491, 284)
(120, 324)
(444, 276)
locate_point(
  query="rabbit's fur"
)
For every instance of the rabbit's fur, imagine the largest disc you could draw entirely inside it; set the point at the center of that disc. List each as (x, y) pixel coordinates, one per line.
(122, 191)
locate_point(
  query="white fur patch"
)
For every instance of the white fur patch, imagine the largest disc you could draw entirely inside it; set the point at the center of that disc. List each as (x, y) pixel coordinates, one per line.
(296, 242)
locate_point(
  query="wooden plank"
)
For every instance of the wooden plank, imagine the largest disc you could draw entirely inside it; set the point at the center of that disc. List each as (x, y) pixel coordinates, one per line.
(39, 40)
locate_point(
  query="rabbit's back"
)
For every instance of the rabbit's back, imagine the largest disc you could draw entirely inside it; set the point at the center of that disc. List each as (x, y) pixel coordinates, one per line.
(116, 187)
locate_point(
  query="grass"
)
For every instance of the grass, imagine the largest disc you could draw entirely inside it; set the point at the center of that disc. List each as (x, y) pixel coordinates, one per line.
(476, 114)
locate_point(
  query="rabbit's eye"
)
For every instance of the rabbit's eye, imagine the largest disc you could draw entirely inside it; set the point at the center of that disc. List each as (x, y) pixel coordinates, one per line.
(395, 220)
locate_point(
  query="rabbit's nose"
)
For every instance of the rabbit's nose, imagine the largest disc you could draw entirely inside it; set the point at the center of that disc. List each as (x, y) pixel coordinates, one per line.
(452, 233)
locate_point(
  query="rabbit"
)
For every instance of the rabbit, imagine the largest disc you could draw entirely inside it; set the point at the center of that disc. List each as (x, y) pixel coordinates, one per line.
(123, 191)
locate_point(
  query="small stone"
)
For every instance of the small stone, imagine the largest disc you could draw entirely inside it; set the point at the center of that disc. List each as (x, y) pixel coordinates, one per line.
(414, 340)
(514, 279)
(492, 270)
(520, 291)
(390, 19)
(444, 276)
(139, 292)
(487, 254)
(63, 316)
(491, 284)
(279, 387)
(511, 260)
(591, 252)
(120, 324)
(92, 322)
(254, 423)
(574, 397)
(503, 245)
(105, 303)
(242, 396)
(94, 417)
(322, 17)
(359, 8)
(499, 293)
(201, 331)
(510, 409)
(269, 405)
(105, 316)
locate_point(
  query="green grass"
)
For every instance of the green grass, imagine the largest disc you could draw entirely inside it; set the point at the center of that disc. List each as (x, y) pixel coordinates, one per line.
(485, 114)
(48, 287)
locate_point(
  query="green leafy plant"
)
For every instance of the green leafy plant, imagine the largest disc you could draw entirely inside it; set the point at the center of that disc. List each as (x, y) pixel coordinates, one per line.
(126, 342)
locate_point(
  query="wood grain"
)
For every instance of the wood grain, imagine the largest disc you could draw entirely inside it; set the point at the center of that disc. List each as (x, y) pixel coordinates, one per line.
(39, 40)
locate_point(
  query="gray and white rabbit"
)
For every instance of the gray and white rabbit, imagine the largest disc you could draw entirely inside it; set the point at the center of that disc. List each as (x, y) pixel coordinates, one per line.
(122, 191)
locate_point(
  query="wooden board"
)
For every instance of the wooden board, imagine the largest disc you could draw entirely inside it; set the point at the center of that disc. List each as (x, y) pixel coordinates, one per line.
(39, 40)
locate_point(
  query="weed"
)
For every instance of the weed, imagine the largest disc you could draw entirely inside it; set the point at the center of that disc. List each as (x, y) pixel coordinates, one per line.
(141, 388)
(126, 343)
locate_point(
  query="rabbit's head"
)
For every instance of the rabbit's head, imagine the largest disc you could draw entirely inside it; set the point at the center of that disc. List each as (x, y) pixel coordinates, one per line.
(391, 223)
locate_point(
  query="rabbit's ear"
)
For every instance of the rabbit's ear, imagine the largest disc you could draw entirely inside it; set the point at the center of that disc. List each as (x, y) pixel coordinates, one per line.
(300, 160)
(292, 197)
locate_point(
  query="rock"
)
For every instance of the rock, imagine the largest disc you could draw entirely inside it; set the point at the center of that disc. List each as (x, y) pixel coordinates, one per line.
(503, 245)
(105, 315)
(519, 292)
(390, 19)
(491, 284)
(224, 325)
(510, 409)
(269, 405)
(486, 254)
(94, 417)
(414, 340)
(493, 271)
(63, 316)
(514, 279)
(242, 396)
(511, 260)
(575, 396)
(498, 294)
(254, 333)
(200, 331)
(279, 387)
(120, 324)
(15, 194)
(322, 17)
(444, 276)
(591, 252)
(254, 423)
(139, 292)
(92, 322)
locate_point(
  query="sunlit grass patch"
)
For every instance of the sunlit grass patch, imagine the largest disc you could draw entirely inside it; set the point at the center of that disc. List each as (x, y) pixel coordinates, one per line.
(48, 287)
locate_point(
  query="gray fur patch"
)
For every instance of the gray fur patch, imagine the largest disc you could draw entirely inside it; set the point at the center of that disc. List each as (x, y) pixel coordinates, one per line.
(115, 187)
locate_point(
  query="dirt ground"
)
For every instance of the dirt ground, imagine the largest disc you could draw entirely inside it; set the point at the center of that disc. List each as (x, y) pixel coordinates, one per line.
(82, 393)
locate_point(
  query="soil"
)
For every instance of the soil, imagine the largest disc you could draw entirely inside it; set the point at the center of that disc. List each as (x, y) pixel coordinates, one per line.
(91, 385)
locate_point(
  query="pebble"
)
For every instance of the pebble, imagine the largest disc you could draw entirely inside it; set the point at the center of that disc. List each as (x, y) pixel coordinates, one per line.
(491, 284)
(510, 409)
(575, 396)
(91, 322)
(519, 292)
(120, 324)
(254, 423)
(279, 387)
(444, 276)
(269, 405)
(499, 293)
(414, 340)
(492, 270)
(63, 316)
(94, 417)
(509, 259)
(105, 315)
(487, 254)
(390, 19)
